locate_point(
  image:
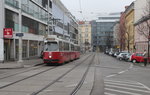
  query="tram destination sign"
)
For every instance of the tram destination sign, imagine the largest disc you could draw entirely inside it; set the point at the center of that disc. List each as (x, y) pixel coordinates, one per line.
(8, 32)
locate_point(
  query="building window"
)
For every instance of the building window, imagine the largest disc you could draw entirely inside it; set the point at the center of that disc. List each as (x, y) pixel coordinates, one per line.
(24, 49)
(33, 45)
(11, 20)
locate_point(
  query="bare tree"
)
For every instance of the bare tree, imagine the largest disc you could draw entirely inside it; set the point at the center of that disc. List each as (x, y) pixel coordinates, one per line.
(144, 23)
(122, 31)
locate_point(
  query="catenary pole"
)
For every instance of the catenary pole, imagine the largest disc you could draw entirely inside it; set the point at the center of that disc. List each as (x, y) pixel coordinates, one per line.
(20, 61)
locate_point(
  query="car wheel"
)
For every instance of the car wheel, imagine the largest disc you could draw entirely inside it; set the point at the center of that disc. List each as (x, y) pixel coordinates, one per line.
(134, 61)
(120, 58)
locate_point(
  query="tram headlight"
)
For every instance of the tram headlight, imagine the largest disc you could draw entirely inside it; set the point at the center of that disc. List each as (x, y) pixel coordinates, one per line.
(50, 56)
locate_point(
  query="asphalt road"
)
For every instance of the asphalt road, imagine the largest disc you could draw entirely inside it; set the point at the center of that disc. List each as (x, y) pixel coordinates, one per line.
(105, 75)
(124, 78)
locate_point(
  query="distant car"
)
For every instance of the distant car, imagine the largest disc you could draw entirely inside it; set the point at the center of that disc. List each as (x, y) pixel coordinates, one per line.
(137, 57)
(106, 52)
(120, 56)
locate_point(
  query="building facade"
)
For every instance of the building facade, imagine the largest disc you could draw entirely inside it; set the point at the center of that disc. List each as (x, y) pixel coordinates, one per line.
(35, 19)
(129, 24)
(141, 26)
(65, 26)
(102, 31)
(85, 35)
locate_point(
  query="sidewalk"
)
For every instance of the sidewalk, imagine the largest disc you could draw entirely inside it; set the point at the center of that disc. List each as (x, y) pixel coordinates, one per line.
(26, 63)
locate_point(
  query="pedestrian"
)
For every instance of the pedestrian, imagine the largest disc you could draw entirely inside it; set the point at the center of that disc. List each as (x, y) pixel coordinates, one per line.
(145, 56)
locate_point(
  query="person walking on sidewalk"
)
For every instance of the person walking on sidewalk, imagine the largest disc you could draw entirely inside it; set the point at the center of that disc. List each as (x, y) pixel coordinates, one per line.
(145, 55)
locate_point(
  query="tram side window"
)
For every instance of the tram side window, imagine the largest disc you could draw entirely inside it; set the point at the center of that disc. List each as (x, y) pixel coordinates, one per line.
(75, 48)
(72, 47)
(66, 46)
(78, 48)
(61, 46)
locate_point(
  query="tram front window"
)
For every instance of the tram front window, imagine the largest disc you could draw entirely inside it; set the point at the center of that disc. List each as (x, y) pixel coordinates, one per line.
(51, 46)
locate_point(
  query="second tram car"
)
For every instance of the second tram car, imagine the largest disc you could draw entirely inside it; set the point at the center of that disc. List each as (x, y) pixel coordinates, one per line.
(58, 51)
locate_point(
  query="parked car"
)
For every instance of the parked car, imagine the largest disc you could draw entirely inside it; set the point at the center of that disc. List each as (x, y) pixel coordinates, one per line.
(120, 56)
(116, 53)
(137, 57)
(106, 51)
(127, 57)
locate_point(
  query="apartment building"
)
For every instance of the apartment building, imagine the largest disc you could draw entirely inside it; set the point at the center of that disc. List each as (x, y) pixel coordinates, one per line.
(85, 35)
(129, 24)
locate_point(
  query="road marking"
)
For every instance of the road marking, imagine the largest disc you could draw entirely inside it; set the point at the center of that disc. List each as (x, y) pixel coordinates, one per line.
(111, 75)
(125, 88)
(121, 72)
(109, 93)
(125, 82)
(125, 85)
(144, 86)
(120, 91)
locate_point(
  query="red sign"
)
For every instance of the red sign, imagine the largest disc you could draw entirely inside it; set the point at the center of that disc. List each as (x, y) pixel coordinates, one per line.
(8, 33)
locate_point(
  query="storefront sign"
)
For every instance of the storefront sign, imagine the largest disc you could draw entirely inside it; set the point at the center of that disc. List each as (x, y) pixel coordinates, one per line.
(8, 32)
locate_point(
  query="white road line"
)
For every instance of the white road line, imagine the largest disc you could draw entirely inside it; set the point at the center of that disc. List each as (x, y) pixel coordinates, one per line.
(131, 66)
(120, 91)
(131, 89)
(126, 82)
(128, 85)
(111, 75)
(122, 72)
(106, 93)
(144, 86)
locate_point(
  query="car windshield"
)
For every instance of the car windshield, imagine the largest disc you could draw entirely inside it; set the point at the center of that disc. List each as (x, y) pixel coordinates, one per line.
(51, 46)
(139, 54)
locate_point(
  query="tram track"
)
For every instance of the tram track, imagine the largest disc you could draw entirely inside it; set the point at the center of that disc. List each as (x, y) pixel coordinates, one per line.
(22, 79)
(27, 77)
(77, 88)
(60, 77)
(22, 71)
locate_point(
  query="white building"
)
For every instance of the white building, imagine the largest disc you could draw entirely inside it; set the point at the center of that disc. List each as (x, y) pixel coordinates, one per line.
(66, 25)
(36, 17)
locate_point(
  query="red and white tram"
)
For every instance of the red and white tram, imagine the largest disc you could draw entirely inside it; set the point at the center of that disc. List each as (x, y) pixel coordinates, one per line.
(59, 51)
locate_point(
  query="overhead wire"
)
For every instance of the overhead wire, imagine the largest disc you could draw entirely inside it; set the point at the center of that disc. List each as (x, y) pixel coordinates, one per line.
(81, 11)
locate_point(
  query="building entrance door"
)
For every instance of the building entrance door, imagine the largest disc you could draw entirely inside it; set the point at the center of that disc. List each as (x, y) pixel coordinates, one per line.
(6, 50)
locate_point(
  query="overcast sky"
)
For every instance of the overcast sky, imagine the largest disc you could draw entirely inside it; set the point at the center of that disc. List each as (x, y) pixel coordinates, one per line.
(92, 8)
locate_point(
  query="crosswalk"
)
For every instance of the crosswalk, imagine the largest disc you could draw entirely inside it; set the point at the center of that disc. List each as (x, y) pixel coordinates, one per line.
(115, 87)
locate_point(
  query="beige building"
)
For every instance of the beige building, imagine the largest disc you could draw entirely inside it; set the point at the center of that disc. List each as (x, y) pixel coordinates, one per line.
(129, 24)
(85, 35)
